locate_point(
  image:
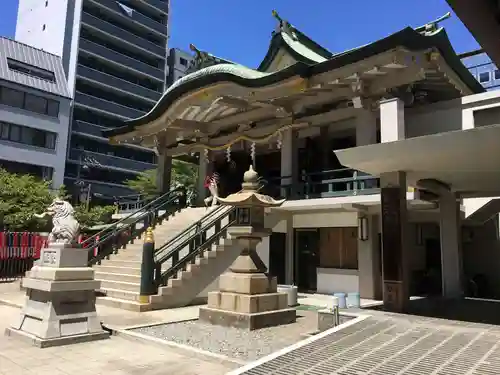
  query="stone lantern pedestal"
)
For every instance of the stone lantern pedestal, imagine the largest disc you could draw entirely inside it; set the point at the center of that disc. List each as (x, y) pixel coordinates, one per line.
(247, 296)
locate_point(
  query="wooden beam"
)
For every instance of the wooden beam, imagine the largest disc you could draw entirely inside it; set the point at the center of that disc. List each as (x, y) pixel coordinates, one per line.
(405, 76)
(241, 103)
(253, 133)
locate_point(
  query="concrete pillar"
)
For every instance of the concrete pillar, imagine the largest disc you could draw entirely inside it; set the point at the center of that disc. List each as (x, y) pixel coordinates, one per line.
(392, 120)
(289, 254)
(366, 134)
(366, 128)
(395, 268)
(370, 278)
(164, 172)
(289, 162)
(203, 171)
(450, 231)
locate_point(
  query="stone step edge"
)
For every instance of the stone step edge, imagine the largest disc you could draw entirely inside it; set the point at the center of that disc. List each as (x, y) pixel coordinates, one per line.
(123, 304)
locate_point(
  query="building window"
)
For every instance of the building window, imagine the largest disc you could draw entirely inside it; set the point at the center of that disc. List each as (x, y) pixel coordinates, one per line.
(484, 77)
(43, 27)
(46, 3)
(12, 98)
(31, 70)
(29, 102)
(27, 135)
(338, 248)
(35, 103)
(183, 61)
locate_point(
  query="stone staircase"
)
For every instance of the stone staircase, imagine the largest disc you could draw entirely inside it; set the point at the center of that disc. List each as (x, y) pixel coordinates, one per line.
(120, 275)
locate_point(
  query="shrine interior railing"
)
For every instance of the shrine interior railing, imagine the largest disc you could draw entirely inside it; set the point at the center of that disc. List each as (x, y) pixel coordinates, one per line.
(323, 184)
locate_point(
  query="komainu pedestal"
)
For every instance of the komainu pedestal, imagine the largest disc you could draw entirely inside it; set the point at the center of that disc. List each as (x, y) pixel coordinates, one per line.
(248, 296)
(60, 300)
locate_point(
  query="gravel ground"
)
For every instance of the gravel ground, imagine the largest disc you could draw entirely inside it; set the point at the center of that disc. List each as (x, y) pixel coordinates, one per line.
(233, 342)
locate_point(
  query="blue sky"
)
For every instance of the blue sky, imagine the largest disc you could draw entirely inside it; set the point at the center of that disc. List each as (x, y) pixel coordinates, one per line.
(240, 30)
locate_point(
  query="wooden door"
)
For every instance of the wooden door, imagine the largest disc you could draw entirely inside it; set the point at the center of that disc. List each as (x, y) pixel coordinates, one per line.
(339, 248)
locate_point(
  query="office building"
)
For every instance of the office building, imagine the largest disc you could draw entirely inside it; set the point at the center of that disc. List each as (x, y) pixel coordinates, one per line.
(114, 55)
(178, 63)
(35, 107)
(482, 68)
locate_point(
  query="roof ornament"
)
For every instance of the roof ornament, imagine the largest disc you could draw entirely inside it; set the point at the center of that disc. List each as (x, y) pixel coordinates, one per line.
(433, 26)
(284, 26)
(202, 60)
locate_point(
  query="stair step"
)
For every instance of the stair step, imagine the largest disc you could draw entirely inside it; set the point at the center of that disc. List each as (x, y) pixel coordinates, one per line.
(123, 304)
(123, 263)
(121, 294)
(121, 277)
(109, 269)
(120, 285)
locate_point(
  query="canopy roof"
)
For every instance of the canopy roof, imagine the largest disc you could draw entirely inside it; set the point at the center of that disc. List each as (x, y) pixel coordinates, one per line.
(294, 70)
(467, 161)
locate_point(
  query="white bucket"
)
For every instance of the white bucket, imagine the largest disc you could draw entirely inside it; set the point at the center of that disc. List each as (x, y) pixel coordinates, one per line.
(291, 292)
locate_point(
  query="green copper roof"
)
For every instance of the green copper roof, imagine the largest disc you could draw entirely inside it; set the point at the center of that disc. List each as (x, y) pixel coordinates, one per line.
(313, 60)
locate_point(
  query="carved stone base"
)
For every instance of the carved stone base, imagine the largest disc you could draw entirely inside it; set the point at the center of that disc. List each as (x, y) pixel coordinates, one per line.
(395, 297)
(247, 321)
(60, 304)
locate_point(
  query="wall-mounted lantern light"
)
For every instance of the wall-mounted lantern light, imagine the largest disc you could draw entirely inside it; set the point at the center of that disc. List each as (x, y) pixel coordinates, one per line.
(363, 228)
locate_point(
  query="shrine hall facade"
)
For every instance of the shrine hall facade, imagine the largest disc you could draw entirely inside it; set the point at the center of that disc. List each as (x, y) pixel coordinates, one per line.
(379, 232)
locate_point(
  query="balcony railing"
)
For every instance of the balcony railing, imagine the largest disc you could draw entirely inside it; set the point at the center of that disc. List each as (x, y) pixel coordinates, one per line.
(134, 15)
(106, 106)
(88, 128)
(123, 35)
(96, 159)
(324, 184)
(158, 4)
(125, 61)
(107, 79)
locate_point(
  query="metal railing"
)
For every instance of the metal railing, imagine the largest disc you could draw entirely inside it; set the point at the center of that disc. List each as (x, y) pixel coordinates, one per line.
(323, 184)
(119, 234)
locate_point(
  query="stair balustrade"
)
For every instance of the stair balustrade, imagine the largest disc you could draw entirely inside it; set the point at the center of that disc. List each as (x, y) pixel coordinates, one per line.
(193, 242)
(117, 235)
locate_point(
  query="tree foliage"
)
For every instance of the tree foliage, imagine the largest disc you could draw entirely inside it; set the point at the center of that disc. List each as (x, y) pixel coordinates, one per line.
(185, 174)
(97, 215)
(21, 196)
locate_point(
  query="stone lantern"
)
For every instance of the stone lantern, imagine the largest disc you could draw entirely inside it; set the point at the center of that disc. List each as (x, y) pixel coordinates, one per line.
(247, 296)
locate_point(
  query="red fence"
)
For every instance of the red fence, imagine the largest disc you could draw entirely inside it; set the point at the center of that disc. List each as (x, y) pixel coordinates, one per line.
(18, 251)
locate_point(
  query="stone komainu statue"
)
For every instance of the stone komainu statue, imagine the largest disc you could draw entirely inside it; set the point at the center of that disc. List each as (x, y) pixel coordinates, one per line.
(65, 228)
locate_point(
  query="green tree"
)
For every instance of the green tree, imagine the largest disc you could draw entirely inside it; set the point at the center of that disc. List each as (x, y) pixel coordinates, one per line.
(97, 215)
(21, 196)
(183, 173)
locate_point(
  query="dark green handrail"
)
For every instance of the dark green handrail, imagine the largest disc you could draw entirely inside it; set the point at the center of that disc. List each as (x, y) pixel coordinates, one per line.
(193, 237)
(109, 240)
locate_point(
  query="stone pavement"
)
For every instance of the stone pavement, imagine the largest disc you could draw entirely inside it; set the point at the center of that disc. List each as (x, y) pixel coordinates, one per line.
(381, 344)
(116, 356)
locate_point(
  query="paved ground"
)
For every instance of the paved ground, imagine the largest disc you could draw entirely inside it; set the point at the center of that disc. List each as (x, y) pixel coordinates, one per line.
(116, 356)
(391, 344)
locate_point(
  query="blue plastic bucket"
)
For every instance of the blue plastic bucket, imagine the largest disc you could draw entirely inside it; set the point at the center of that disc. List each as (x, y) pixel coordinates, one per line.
(353, 300)
(342, 301)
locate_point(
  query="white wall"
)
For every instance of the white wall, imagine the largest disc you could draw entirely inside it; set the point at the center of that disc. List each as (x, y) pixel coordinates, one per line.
(35, 155)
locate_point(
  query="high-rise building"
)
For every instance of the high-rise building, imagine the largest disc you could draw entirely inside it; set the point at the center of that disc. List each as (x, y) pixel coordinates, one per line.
(114, 54)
